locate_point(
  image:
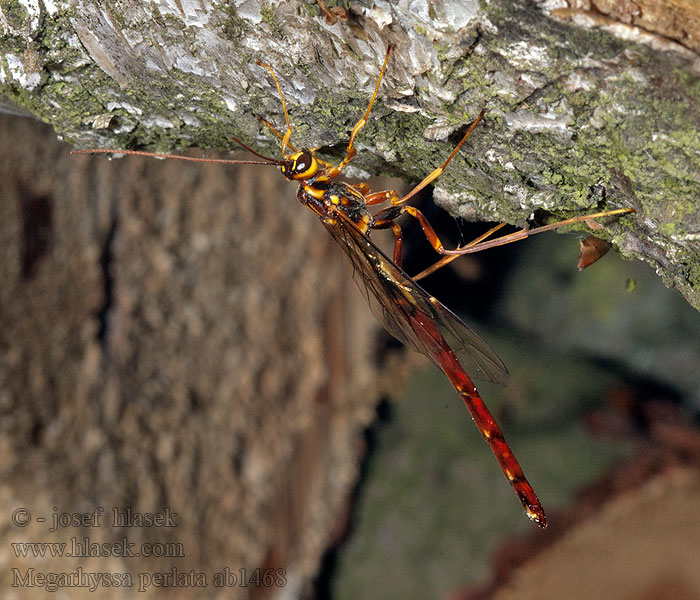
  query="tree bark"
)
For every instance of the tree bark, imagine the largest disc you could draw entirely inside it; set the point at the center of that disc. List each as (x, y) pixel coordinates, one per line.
(167, 343)
(590, 105)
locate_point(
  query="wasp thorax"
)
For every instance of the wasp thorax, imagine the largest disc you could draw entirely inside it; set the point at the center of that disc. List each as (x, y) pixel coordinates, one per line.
(300, 165)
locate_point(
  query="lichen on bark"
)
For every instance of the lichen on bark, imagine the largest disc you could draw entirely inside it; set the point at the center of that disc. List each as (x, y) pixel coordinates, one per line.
(581, 114)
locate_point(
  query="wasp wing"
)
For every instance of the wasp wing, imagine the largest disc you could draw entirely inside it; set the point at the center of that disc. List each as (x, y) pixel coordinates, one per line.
(396, 300)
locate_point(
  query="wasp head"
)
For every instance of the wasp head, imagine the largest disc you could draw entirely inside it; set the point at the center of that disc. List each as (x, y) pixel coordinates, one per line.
(300, 165)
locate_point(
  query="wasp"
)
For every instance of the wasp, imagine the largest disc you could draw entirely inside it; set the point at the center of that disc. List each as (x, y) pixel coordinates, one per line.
(400, 304)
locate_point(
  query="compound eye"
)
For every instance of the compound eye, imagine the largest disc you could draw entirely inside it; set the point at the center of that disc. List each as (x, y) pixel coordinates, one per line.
(303, 162)
(305, 165)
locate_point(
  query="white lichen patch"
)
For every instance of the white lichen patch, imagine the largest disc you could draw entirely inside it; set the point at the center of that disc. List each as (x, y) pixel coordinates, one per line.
(189, 119)
(189, 64)
(458, 15)
(442, 93)
(354, 172)
(517, 193)
(527, 120)
(597, 119)
(532, 80)
(543, 199)
(550, 5)
(33, 12)
(158, 121)
(443, 16)
(230, 103)
(504, 84)
(527, 55)
(466, 205)
(494, 155)
(402, 107)
(379, 15)
(637, 76)
(387, 151)
(18, 72)
(439, 130)
(579, 80)
(130, 108)
(50, 7)
(249, 10)
(554, 119)
(191, 12)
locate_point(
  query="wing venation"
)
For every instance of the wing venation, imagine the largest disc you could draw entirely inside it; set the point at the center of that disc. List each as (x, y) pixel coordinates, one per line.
(394, 297)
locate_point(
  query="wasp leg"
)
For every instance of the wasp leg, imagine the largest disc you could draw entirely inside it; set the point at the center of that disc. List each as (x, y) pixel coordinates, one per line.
(389, 222)
(288, 133)
(437, 172)
(381, 197)
(445, 260)
(482, 243)
(350, 152)
(361, 187)
(512, 237)
(392, 212)
(276, 132)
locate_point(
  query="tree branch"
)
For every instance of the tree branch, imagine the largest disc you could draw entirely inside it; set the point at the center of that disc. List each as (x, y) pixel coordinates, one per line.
(588, 107)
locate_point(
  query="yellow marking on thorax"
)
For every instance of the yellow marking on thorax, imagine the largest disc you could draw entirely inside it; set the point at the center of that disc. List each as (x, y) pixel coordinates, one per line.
(314, 192)
(363, 225)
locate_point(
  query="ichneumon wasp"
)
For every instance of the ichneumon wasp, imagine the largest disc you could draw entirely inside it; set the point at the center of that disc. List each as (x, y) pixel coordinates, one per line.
(405, 309)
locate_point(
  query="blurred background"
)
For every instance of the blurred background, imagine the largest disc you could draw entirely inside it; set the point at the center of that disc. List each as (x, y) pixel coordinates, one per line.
(187, 337)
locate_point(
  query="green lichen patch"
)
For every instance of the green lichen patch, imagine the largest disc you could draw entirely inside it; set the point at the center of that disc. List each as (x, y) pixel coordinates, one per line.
(15, 14)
